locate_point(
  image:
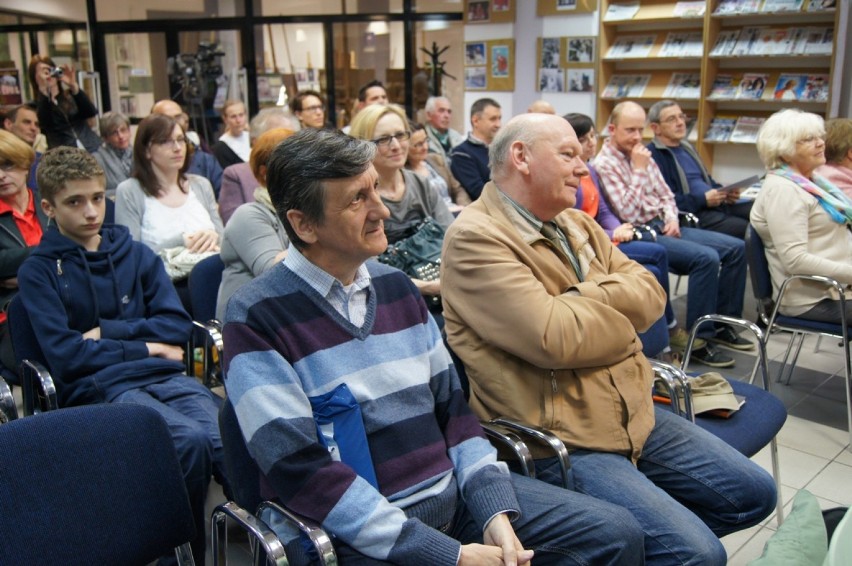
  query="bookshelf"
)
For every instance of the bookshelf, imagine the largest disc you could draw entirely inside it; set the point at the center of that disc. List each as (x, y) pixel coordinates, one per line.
(787, 45)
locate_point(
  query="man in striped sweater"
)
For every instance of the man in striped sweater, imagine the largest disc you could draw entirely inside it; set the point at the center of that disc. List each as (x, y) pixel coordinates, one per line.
(400, 471)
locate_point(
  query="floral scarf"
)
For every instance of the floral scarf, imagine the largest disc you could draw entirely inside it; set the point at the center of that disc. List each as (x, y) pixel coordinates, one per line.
(833, 200)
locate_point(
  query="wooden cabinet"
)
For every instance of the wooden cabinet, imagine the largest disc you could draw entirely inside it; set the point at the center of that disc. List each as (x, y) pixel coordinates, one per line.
(778, 51)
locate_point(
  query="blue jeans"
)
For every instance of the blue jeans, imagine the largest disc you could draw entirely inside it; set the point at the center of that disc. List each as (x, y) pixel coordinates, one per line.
(654, 258)
(688, 488)
(562, 527)
(716, 267)
(191, 412)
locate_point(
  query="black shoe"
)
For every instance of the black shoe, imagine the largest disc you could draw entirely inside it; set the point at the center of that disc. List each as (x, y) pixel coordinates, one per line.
(726, 336)
(710, 356)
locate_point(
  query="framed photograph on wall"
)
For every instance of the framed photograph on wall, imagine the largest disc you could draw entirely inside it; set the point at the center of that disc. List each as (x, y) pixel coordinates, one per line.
(499, 61)
(581, 80)
(551, 80)
(581, 50)
(474, 54)
(475, 78)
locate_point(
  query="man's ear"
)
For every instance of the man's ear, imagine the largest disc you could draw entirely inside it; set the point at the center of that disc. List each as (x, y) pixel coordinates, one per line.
(304, 228)
(610, 128)
(7, 124)
(655, 128)
(520, 157)
(47, 208)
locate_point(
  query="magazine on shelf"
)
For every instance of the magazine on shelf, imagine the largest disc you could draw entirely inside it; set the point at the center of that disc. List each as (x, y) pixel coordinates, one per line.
(682, 44)
(684, 9)
(751, 86)
(727, 7)
(798, 39)
(630, 46)
(621, 86)
(725, 43)
(724, 87)
(720, 129)
(746, 129)
(818, 41)
(622, 11)
(747, 40)
(816, 89)
(684, 85)
(790, 87)
(781, 5)
(773, 41)
(821, 5)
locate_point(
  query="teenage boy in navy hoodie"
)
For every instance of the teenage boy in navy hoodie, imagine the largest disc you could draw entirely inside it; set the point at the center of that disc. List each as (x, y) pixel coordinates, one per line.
(110, 323)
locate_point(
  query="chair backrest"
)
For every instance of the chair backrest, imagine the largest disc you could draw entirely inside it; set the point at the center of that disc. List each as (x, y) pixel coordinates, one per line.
(99, 484)
(758, 268)
(24, 339)
(204, 280)
(243, 474)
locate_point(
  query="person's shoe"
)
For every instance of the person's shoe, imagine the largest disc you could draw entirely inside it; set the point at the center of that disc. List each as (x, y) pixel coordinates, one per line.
(727, 336)
(710, 356)
(679, 338)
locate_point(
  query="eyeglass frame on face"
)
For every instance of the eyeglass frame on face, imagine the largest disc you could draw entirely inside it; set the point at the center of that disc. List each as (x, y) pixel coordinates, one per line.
(811, 140)
(177, 142)
(118, 130)
(385, 141)
(9, 167)
(314, 108)
(674, 118)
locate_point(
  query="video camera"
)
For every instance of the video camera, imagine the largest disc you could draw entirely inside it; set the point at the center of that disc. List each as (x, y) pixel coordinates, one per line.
(192, 70)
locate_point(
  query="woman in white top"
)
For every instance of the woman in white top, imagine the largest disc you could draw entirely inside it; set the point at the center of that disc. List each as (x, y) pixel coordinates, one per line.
(234, 146)
(161, 205)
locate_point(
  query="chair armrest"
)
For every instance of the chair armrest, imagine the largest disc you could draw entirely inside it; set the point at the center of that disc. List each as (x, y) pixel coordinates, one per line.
(677, 385)
(37, 388)
(543, 437)
(500, 437)
(256, 529)
(211, 332)
(318, 537)
(8, 410)
(828, 282)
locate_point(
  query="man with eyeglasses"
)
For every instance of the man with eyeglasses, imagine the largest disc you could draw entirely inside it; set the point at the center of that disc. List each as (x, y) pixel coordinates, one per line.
(470, 158)
(694, 189)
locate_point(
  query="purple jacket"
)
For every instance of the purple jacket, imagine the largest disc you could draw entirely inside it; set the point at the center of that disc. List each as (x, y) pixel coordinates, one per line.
(606, 217)
(238, 185)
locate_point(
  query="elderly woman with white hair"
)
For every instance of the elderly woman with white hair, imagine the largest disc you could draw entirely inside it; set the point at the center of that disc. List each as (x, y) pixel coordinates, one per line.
(116, 154)
(803, 218)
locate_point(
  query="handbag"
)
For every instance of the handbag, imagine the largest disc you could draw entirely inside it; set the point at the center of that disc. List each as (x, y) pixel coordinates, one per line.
(179, 261)
(419, 256)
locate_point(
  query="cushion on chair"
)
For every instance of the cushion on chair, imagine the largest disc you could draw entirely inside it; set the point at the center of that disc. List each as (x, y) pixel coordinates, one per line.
(800, 539)
(810, 325)
(764, 413)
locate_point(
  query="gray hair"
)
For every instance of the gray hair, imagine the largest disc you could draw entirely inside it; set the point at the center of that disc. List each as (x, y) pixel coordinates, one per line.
(432, 101)
(657, 109)
(269, 119)
(299, 165)
(111, 121)
(777, 137)
(517, 130)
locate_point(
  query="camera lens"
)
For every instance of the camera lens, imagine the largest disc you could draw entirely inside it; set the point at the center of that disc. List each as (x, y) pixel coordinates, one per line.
(56, 72)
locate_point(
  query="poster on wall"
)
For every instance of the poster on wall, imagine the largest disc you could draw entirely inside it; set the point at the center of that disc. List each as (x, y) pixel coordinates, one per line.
(489, 11)
(10, 85)
(566, 64)
(489, 65)
(580, 50)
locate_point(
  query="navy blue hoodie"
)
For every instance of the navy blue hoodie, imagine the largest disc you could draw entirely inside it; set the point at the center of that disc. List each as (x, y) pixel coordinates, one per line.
(121, 288)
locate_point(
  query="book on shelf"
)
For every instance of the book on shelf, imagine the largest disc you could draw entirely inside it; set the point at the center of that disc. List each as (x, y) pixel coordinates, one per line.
(746, 129)
(781, 5)
(816, 89)
(720, 129)
(751, 86)
(729, 7)
(622, 11)
(724, 87)
(621, 86)
(725, 43)
(684, 85)
(790, 87)
(821, 5)
(682, 44)
(631, 46)
(684, 9)
(749, 37)
(773, 41)
(818, 41)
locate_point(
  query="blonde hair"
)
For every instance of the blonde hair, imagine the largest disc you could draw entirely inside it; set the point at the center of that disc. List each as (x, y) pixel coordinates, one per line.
(777, 137)
(838, 139)
(363, 125)
(15, 151)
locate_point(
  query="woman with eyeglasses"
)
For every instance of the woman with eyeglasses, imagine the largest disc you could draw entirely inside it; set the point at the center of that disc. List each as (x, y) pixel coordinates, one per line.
(433, 167)
(408, 196)
(162, 206)
(308, 106)
(22, 224)
(115, 155)
(803, 218)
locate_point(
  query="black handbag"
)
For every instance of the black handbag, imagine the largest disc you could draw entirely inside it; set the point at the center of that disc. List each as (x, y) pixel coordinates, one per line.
(419, 255)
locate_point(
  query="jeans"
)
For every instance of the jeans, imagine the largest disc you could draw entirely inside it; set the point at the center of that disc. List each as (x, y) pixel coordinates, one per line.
(191, 412)
(716, 267)
(562, 527)
(654, 258)
(688, 488)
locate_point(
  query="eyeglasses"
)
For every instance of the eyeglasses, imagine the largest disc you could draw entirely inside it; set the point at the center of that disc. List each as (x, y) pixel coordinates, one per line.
(675, 118)
(177, 142)
(385, 141)
(811, 140)
(314, 108)
(121, 130)
(7, 167)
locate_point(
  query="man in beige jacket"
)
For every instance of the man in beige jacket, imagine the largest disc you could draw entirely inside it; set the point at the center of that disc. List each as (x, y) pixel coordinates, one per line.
(543, 311)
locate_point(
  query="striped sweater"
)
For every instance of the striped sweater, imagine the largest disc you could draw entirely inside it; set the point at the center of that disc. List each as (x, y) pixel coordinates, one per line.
(285, 344)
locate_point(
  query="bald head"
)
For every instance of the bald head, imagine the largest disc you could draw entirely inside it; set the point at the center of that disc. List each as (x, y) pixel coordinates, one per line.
(626, 126)
(167, 108)
(541, 107)
(536, 159)
(624, 109)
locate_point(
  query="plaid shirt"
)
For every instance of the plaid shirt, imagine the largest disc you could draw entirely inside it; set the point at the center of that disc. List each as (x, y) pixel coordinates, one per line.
(637, 196)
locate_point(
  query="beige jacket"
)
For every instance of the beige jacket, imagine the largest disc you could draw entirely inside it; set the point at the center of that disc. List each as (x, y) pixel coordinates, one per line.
(800, 239)
(538, 345)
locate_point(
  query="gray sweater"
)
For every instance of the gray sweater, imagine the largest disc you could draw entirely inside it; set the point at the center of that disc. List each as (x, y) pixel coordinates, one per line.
(253, 237)
(418, 202)
(130, 208)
